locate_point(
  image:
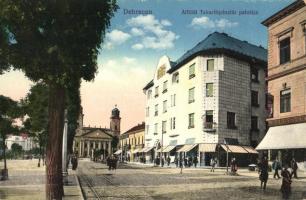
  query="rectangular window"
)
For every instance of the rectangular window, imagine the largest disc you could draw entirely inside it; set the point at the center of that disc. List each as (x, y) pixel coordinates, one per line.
(173, 100)
(156, 91)
(191, 95)
(284, 50)
(254, 74)
(210, 65)
(164, 126)
(209, 89)
(209, 119)
(175, 77)
(149, 94)
(231, 120)
(254, 98)
(165, 106)
(285, 101)
(148, 111)
(192, 71)
(165, 86)
(156, 110)
(172, 123)
(191, 120)
(155, 128)
(147, 129)
(254, 123)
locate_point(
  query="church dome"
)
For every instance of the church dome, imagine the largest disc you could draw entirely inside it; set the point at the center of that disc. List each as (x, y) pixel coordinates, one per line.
(115, 112)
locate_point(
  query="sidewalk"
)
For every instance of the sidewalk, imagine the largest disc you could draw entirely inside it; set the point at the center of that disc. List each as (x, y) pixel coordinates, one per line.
(27, 182)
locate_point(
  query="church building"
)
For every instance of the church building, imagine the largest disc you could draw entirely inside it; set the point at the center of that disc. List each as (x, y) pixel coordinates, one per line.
(89, 141)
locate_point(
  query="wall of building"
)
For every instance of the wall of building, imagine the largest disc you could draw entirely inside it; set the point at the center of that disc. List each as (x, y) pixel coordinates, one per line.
(296, 81)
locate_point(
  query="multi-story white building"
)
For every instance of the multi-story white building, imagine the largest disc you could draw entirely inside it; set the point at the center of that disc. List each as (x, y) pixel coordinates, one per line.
(213, 94)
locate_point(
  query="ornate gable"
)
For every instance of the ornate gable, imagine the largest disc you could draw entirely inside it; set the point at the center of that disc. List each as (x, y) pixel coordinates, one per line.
(98, 134)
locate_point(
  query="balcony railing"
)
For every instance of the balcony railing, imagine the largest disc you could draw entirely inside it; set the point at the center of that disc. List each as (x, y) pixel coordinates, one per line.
(209, 126)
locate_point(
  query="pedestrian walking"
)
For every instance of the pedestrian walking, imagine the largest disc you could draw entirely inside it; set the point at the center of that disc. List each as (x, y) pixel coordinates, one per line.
(189, 161)
(74, 162)
(108, 163)
(294, 168)
(286, 183)
(168, 161)
(176, 161)
(162, 161)
(234, 166)
(276, 166)
(185, 162)
(264, 174)
(181, 164)
(212, 164)
(195, 161)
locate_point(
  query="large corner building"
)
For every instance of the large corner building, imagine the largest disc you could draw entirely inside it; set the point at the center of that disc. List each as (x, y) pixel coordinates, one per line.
(211, 100)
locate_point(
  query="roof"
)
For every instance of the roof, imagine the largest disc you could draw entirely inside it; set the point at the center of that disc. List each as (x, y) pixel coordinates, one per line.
(138, 127)
(222, 43)
(296, 5)
(150, 84)
(87, 130)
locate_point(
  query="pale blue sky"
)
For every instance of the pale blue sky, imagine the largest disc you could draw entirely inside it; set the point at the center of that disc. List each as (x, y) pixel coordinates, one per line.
(134, 44)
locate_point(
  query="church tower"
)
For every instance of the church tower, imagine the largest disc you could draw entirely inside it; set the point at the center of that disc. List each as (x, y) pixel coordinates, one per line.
(115, 121)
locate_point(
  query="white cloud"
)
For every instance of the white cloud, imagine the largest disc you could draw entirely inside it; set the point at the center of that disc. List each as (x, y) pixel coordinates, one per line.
(116, 37)
(137, 32)
(165, 22)
(153, 33)
(205, 22)
(137, 46)
(129, 60)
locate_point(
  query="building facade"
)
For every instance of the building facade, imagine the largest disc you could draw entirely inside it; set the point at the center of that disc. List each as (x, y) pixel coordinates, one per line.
(132, 143)
(286, 136)
(213, 95)
(23, 140)
(91, 140)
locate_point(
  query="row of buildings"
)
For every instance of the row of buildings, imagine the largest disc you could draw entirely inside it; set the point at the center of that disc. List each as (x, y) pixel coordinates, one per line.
(227, 95)
(222, 96)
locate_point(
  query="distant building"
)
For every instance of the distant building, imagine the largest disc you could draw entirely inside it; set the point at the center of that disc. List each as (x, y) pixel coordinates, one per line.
(23, 140)
(211, 96)
(90, 139)
(286, 137)
(132, 143)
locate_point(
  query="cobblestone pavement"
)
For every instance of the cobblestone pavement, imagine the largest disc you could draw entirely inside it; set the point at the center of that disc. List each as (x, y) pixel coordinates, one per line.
(137, 182)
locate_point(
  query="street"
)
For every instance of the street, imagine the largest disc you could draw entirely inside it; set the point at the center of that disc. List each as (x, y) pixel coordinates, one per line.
(146, 182)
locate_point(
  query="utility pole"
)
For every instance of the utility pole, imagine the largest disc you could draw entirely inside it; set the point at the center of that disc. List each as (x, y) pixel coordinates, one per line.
(64, 150)
(226, 156)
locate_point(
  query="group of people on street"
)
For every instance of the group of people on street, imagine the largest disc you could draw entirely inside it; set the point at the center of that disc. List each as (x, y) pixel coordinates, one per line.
(263, 167)
(186, 162)
(111, 162)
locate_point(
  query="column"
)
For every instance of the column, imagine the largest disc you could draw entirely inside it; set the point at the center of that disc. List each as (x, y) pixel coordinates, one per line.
(94, 145)
(104, 148)
(80, 148)
(88, 148)
(83, 148)
(109, 148)
(99, 147)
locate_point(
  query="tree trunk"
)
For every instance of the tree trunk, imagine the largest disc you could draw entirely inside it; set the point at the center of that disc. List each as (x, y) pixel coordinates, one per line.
(4, 154)
(54, 182)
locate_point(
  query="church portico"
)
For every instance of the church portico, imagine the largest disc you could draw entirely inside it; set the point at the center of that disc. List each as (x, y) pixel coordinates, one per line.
(96, 143)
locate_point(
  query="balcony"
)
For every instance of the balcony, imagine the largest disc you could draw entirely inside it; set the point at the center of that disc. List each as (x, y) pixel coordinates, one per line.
(209, 127)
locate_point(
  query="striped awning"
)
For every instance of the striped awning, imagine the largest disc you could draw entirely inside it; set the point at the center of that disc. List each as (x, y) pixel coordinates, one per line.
(147, 149)
(136, 151)
(207, 147)
(250, 149)
(118, 152)
(160, 149)
(234, 148)
(187, 147)
(168, 148)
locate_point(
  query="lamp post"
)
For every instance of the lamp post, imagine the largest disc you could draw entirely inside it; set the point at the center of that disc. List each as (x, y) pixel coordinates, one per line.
(226, 156)
(64, 150)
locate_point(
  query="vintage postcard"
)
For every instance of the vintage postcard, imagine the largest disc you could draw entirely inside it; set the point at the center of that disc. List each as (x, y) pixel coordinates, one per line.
(153, 99)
